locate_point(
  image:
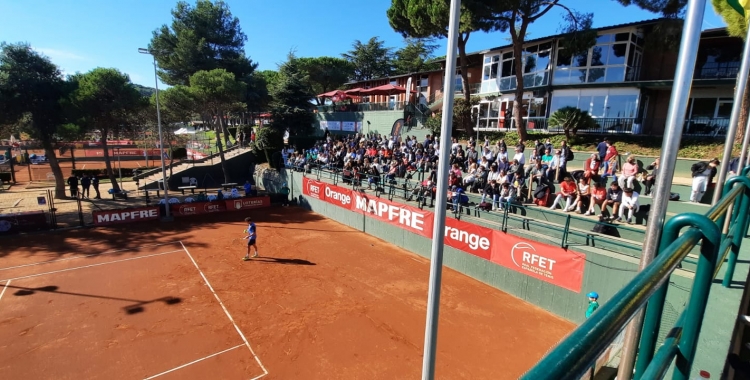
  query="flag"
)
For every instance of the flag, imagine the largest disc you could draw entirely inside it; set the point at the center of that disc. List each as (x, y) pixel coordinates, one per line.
(741, 6)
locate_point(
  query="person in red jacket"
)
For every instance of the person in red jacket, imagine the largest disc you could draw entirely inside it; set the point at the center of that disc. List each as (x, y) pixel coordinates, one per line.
(591, 167)
(610, 159)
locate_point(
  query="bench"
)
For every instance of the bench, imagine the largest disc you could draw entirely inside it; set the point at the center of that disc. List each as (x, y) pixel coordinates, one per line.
(183, 188)
(227, 186)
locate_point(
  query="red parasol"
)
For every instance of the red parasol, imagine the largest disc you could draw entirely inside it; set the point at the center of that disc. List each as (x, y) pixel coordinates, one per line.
(386, 89)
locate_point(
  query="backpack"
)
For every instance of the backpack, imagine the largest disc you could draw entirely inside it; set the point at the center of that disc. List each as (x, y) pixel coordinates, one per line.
(485, 206)
(541, 191)
(569, 156)
(604, 228)
(674, 196)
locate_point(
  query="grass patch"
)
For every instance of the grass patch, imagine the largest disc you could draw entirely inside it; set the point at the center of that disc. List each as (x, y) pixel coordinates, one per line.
(690, 147)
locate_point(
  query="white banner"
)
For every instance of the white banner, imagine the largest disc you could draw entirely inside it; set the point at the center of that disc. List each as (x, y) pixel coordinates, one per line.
(323, 125)
(334, 125)
(359, 126)
(348, 126)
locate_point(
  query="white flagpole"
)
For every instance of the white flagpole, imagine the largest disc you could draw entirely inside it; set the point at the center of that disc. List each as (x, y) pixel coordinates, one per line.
(441, 201)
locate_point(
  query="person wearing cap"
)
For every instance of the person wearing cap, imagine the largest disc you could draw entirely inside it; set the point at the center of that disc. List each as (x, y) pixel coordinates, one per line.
(703, 175)
(630, 204)
(593, 303)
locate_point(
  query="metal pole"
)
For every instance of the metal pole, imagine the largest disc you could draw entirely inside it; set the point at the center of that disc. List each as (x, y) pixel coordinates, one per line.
(743, 154)
(739, 92)
(683, 77)
(161, 146)
(438, 237)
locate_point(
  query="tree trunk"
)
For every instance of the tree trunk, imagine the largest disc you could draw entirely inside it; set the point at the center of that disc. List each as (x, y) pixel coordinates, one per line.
(73, 156)
(171, 157)
(108, 162)
(518, 37)
(742, 121)
(464, 66)
(221, 153)
(224, 129)
(54, 165)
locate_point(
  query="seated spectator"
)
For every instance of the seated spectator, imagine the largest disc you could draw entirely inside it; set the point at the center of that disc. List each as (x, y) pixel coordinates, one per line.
(629, 171)
(614, 198)
(591, 167)
(629, 205)
(583, 196)
(598, 197)
(648, 183)
(567, 191)
(491, 192)
(506, 195)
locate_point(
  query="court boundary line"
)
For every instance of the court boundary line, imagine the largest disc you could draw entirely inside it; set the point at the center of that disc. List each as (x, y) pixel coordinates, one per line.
(91, 265)
(244, 339)
(4, 289)
(89, 255)
(193, 362)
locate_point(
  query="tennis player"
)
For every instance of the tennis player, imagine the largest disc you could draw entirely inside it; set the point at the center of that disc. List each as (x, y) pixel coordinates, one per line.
(250, 238)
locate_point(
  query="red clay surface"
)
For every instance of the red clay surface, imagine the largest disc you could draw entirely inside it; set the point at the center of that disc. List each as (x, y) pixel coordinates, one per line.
(324, 301)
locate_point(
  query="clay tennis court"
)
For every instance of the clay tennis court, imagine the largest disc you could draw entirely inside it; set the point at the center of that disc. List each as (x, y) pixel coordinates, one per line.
(323, 301)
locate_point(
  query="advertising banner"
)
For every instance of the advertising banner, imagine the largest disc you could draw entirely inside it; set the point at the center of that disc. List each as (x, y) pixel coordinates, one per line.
(121, 152)
(313, 189)
(348, 126)
(248, 203)
(334, 125)
(323, 125)
(470, 238)
(197, 208)
(22, 222)
(406, 217)
(359, 126)
(338, 196)
(555, 265)
(130, 215)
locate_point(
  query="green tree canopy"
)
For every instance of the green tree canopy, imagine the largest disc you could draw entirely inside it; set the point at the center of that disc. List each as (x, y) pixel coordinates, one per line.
(31, 91)
(291, 109)
(370, 60)
(415, 57)
(202, 37)
(325, 73)
(107, 101)
(429, 19)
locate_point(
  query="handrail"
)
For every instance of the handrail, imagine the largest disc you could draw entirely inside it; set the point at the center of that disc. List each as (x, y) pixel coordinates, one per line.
(574, 356)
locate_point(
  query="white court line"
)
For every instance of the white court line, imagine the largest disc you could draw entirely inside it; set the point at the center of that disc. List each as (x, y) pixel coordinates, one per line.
(265, 371)
(193, 362)
(92, 265)
(91, 255)
(4, 289)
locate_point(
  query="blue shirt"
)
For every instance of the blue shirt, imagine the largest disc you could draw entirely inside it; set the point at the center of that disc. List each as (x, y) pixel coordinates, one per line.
(602, 148)
(251, 231)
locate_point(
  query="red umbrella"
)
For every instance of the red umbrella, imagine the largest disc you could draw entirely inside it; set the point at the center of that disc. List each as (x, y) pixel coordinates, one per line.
(386, 89)
(354, 91)
(331, 94)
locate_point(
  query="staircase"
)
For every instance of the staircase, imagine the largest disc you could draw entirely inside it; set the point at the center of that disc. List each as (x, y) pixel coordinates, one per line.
(154, 176)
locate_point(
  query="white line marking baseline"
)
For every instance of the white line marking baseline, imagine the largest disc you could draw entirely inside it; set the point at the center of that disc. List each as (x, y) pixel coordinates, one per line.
(93, 265)
(4, 289)
(194, 361)
(265, 371)
(90, 255)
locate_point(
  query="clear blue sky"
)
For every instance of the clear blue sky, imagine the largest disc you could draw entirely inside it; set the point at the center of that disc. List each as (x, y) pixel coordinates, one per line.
(79, 35)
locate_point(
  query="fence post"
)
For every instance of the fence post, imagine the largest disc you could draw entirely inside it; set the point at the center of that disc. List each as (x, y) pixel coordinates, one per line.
(565, 232)
(741, 210)
(80, 209)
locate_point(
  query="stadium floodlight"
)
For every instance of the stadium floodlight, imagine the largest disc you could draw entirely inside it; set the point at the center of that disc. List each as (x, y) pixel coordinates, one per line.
(161, 139)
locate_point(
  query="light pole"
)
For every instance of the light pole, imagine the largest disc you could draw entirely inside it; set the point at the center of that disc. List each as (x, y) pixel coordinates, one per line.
(161, 140)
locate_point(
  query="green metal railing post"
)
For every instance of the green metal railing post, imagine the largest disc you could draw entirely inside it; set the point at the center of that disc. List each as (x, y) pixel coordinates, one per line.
(741, 217)
(564, 241)
(696, 307)
(655, 307)
(504, 224)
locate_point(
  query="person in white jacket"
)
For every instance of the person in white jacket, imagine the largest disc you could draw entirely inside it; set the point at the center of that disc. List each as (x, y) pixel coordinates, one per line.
(629, 205)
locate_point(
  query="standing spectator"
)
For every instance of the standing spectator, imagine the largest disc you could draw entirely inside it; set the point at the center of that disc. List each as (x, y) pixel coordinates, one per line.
(610, 158)
(248, 188)
(703, 176)
(629, 204)
(73, 184)
(602, 149)
(85, 184)
(95, 183)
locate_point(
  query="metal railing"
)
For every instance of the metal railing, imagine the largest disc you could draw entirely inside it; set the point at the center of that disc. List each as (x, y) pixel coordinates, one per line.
(557, 228)
(603, 125)
(576, 355)
(362, 107)
(717, 70)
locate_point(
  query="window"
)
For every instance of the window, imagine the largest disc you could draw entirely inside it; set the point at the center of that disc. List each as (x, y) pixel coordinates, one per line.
(499, 69)
(614, 58)
(424, 81)
(598, 103)
(394, 82)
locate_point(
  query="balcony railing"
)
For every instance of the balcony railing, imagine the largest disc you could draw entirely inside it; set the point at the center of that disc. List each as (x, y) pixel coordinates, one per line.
(362, 107)
(708, 127)
(717, 70)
